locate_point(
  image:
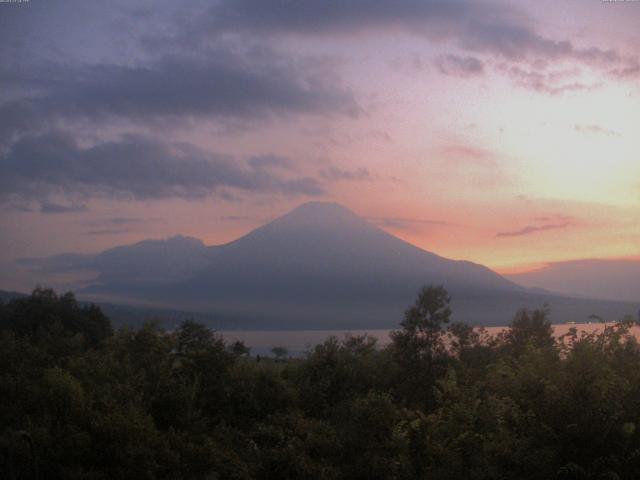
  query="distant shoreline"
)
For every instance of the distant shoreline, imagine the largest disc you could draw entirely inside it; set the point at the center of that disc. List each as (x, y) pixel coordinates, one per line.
(299, 341)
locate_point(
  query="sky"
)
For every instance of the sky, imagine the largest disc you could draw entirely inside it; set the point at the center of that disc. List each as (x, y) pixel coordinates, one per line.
(505, 133)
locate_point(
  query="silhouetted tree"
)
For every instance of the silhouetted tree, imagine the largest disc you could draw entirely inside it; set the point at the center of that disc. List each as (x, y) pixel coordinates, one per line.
(239, 349)
(445, 403)
(530, 328)
(419, 348)
(280, 352)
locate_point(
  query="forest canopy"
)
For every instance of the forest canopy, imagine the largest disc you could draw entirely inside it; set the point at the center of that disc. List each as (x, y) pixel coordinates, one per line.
(79, 400)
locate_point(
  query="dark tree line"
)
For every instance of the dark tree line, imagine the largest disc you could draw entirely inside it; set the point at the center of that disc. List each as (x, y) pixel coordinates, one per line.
(442, 401)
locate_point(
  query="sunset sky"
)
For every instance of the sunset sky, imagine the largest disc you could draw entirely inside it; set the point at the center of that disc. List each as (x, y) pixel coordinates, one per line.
(506, 133)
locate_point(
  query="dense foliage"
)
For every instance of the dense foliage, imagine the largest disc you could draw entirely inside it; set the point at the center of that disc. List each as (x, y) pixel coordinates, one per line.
(442, 401)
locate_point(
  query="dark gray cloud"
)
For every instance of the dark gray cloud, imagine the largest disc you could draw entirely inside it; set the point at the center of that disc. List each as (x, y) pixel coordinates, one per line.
(516, 40)
(457, 66)
(529, 229)
(260, 162)
(214, 62)
(216, 84)
(488, 26)
(36, 167)
(53, 208)
(86, 61)
(497, 30)
(316, 16)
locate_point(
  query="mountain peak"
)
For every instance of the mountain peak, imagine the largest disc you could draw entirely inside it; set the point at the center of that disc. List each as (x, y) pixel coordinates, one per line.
(320, 214)
(330, 209)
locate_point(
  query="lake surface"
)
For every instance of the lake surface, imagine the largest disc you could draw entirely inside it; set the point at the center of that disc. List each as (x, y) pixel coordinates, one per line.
(300, 341)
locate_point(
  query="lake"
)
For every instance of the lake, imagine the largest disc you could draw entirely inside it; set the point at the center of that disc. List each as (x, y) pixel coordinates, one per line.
(299, 341)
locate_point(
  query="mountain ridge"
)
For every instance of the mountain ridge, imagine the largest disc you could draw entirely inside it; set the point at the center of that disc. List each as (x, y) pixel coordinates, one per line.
(318, 266)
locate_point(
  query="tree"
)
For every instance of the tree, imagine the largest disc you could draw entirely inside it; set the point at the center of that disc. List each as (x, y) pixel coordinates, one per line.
(421, 336)
(419, 348)
(280, 352)
(239, 349)
(438, 402)
(530, 328)
(430, 312)
(194, 338)
(205, 361)
(55, 319)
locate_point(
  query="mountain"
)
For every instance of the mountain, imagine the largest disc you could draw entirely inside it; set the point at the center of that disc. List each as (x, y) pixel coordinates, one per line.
(320, 266)
(147, 262)
(7, 296)
(615, 279)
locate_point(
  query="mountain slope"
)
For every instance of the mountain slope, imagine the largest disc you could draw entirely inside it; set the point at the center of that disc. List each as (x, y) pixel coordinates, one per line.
(325, 240)
(149, 261)
(617, 279)
(322, 266)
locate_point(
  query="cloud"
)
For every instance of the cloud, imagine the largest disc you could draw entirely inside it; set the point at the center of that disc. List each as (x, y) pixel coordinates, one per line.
(529, 229)
(498, 31)
(121, 220)
(37, 167)
(53, 208)
(318, 17)
(597, 129)
(487, 27)
(218, 84)
(337, 174)
(516, 41)
(550, 83)
(116, 221)
(113, 225)
(468, 154)
(456, 66)
(217, 64)
(557, 217)
(261, 162)
(107, 231)
(410, 224)
(630, 69)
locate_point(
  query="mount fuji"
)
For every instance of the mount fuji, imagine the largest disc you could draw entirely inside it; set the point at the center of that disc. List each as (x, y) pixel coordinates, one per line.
(320, 266)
